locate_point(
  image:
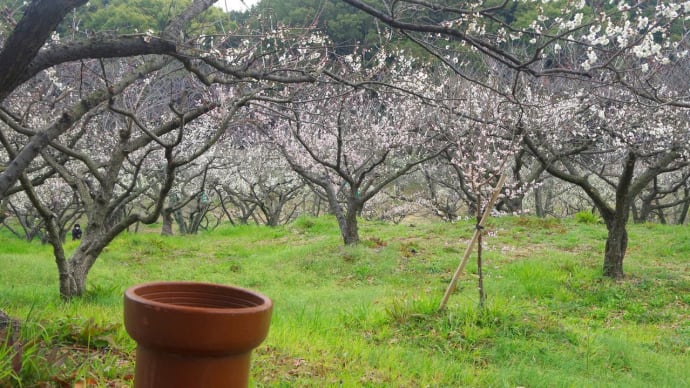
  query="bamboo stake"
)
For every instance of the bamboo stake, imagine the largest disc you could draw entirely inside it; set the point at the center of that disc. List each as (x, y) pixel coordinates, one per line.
(475, 236)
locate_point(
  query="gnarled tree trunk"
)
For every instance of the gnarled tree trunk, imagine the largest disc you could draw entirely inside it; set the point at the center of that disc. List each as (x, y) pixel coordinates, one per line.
(616, 245)
(347, 219)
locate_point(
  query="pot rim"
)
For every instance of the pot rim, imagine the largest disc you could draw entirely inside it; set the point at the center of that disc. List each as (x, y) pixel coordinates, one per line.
(130, 293)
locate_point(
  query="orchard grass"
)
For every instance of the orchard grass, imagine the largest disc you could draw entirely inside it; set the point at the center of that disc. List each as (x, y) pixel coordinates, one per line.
(368, 315)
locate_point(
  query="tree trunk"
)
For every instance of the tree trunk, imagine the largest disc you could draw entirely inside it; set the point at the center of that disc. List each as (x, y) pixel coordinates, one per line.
(635, 214)
(347, 221)
(167, 229)
(73, 274)
(345, 224)
(181, 222)
(616, 245)
(480, 270)
(660, 212)
(350, 229)
(77, 279)
(683, 215)
(539, 202)
(644, 212)
(316, 206)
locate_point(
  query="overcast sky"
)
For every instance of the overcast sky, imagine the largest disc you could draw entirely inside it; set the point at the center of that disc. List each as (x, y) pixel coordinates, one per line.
(236, 5)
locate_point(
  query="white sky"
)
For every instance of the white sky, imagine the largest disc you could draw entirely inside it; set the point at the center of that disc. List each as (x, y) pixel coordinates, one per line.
(235, 5)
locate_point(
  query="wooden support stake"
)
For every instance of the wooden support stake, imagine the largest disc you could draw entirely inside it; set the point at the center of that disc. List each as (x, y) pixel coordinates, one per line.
(475, 236)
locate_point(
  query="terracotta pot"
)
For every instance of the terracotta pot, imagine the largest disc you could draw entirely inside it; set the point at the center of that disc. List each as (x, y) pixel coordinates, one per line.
(193, 334)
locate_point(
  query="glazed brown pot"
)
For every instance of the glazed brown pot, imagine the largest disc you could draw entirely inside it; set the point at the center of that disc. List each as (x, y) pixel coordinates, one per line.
(192, 334)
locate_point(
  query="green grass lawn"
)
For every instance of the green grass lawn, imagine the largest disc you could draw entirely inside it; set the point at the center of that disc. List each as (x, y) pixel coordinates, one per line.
(367, 315)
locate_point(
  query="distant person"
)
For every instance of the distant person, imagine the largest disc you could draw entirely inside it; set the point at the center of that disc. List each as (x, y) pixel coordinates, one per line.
(76, 232)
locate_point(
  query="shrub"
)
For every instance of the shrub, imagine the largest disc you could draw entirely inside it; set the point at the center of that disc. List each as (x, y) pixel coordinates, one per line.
(586, 217)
